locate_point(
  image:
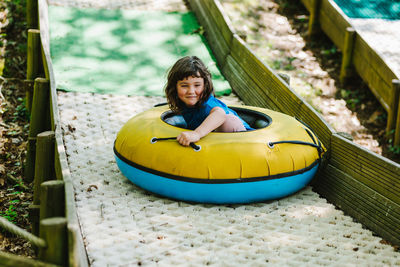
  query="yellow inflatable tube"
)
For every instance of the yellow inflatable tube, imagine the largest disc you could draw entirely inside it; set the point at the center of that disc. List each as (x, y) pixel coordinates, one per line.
(282, 148)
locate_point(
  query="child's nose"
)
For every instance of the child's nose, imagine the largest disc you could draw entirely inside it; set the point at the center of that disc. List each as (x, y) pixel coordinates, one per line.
(192, 89)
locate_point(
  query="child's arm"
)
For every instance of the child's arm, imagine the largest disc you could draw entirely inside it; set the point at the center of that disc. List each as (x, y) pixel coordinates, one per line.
(215, 119)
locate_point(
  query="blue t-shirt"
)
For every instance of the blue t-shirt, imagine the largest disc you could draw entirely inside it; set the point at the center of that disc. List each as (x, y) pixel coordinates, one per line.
(195, 116)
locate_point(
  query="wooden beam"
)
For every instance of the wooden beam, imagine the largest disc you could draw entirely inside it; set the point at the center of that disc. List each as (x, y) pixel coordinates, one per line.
(347, 54)
(33, 61)
(32, 14)
(394, 114)
(396, 110)
(44, 162)
(38, 123)
(52, 200)
(54, 232)
(313, 22)
(12, 260)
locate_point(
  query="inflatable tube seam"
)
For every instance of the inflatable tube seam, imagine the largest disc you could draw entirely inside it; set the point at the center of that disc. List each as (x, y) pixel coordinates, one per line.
(214, 180)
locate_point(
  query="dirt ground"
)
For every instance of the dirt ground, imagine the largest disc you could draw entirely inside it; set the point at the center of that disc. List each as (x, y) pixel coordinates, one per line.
(275, 30)
(15, 194)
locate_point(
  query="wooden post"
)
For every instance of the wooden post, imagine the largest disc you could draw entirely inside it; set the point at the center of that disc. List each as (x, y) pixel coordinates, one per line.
(32, 14)
(37, 124)
(52, 201)
(54, 232)
(313, 23)
(34, 218)
(34, 54)
(285, 77)
(392, 113)
(345, 69)
(44, 162)
(396, 111)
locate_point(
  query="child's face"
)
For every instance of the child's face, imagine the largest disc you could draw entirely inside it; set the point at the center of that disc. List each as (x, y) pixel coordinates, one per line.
(190, 90)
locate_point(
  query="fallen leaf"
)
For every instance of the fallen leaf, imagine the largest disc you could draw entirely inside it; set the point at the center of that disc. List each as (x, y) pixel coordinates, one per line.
(90, 188)
(374, 116)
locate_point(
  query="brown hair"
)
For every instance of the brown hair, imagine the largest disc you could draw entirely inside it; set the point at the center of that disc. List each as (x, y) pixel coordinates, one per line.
(189, 66)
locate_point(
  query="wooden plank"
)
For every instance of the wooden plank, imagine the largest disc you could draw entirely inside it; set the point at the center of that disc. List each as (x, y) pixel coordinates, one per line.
(214, 36)
(384, 165)
(220, 19)
(314, 120)
(276, 89)
(244, 86)
(383, 183)
(373, 210)
(331, 30)
(339, 187)
(368, 74)
(361, 197)
(333, 22)
(374, 59)
(307, 4)
(366, 160)
(210, 14)
(263, 77)
(335, 14)
(373, 70)
(379, 173)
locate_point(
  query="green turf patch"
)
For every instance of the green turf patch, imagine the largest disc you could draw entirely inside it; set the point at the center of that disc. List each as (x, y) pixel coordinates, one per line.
(123, 51)
(371, 9)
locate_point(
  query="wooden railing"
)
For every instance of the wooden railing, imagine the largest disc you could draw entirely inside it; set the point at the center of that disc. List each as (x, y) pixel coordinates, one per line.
(381, 80)
(363, 184)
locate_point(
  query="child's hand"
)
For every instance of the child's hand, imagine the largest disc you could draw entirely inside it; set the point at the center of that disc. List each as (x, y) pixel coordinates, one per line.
(185, 138)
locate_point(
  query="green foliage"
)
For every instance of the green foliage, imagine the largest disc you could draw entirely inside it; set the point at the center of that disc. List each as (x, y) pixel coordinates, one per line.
(285, 64)
(10, 213)
(330, 51)
(15, 34)
(392, 148)
(21, 112)
(352, 98)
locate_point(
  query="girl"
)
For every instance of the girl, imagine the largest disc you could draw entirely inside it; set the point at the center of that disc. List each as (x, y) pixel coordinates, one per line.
(190, 92)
